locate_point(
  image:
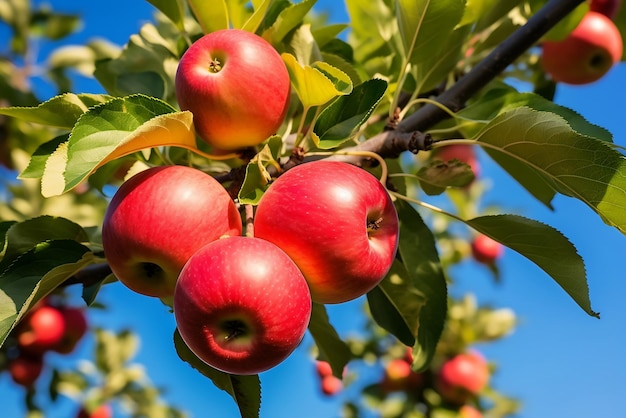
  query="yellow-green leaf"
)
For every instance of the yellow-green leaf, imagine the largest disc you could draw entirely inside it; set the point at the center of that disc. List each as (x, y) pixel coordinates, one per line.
(211, 15)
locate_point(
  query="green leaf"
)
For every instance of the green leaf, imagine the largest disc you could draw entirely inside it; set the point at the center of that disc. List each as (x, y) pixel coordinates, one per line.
(112, 130)
(23, 236)
(421, 23)
(173, 9)
(327, 33)
(211, 16)
(245, 390)
(396, 304)
(545, 154)
(35, 274)
(342, 118)
(289, 18)
(61, 111)
(438, 175)
(37, 164)
(257, 177)
(54, 26)
(544, 246)
(419, 255)
(260, 10)
(330, 346)
(316, 84)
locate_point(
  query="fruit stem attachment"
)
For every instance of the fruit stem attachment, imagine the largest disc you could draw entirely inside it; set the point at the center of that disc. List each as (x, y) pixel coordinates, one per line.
(367, 154)
(249, 212)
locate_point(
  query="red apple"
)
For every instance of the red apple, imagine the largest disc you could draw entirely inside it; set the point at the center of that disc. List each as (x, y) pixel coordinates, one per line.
(331, 385)
(40, 330)
(241, 305)
(586, 54)
(337, 222)
(157, 219)
(462, 152)
(25, 369)
(462, 377)
(486, 250)
(237, 87)
(323, 368)
(400, 377)
(102, 411)
(609, 8)
(75, 328)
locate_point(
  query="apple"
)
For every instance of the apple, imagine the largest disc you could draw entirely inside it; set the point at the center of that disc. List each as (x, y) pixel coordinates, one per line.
(399, 376)
(241, 305)
(237, 87)
(40, 330)
(486, 250)
(25, 369)
(586, 54)
(609, 8)
(75, 329)
(323, 368)
(101, 411)
(462, 152)
(336, 221)
(462, 377)
(468, 411)
(331, 385)
(157, 219)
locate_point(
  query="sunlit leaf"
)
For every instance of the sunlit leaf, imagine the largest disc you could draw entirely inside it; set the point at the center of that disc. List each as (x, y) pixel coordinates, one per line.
(245, 390)
(342, 118)
(61, 111)
(117, 128)
(253, 23)
(545, 154)
(257, 177)
(289, 18)
(544, 246)
(211, 15)
(330, 346)
(34, 274)
(173, 9)
(438, 175)
(316, 84)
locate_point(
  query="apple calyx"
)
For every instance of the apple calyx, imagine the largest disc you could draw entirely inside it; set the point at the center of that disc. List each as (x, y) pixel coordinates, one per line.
(215, 66)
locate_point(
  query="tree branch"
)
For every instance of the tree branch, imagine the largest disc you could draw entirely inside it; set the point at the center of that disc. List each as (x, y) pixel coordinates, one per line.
(478, 77)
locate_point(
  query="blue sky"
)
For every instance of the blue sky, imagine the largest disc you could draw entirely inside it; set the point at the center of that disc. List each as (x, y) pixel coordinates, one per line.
(559, 362)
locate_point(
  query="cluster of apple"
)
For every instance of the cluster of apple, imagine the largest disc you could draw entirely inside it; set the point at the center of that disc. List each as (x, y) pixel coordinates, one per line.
(329, 383)
(45, 328)
(459, 380)
(101, 411)
(324, 232)
(590, 50)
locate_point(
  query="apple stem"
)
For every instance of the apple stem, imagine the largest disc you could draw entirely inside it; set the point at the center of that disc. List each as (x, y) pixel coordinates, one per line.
(235, 328)
(374, 225)
(249, 211)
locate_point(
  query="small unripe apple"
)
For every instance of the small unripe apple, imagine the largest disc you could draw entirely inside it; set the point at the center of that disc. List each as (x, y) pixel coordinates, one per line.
(331, 385)
(586, 54)
(486, 250)
(241, 305)
(42, 329)
(337, 222)
(25, 369)
(609, 8)
(237, 87)
(157, 219)
(101, 411)
(462, 377)
(75, 328)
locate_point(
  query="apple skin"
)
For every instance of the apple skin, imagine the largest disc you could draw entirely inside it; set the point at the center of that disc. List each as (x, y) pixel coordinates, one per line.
(486, 250)
(245, 101)
(586, 54)
(609, 8)
(331, 385)
(102, 411)
(25, 369)
(41, 330)
(75, 328)
(241, 305)
(468, 411)
(462, 377)
(157, 219)
(318, 213)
